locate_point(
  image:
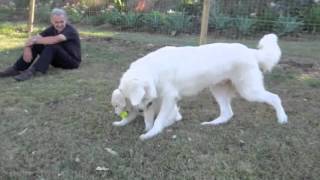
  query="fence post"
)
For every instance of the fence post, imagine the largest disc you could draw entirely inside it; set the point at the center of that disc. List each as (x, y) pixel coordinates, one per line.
(31, 16)
(204, 22)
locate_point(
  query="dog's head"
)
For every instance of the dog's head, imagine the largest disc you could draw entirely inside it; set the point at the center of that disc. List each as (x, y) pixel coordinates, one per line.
(118, 101)
(268, 40)
(139, 93)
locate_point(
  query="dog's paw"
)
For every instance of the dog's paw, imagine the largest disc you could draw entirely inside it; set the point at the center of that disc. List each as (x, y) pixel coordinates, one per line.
(119, 123)
(207, 123)
(283, 119)
(178, 117)
(144, 137)
(215, 122)
(151, 133)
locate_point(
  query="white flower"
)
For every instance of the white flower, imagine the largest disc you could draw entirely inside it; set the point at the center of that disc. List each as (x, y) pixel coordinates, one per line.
(253, 14)
(170, 11)
(12, 4)
(102, 168)
(272, 4)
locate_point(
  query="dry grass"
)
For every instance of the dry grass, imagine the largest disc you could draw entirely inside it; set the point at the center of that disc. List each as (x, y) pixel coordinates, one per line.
(58, 126)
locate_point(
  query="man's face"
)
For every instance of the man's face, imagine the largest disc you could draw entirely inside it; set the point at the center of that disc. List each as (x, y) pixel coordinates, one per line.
(59, 22)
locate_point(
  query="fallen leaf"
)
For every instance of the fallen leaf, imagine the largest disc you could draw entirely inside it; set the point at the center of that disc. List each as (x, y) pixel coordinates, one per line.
(111, 151)
(102, 168)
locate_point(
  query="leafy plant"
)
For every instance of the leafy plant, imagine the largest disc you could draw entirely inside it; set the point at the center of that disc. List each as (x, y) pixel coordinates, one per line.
(96, 20)
(75, 13)
(121, 5)
(244, 24)
(220, 21)
(132, 20)
(7, 11)
(265, 20)
(287, 25)
(115, 17)
(312, 19)
(153, 20)
(177, 22)
(21, 4)
(42, 14)
(190, 7)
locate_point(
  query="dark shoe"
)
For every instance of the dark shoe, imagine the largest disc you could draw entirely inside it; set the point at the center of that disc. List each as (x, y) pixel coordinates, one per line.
(25, 75)
(10, 71)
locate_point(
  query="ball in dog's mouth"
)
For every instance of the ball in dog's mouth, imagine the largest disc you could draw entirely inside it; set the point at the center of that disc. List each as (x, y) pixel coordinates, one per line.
(123, 114)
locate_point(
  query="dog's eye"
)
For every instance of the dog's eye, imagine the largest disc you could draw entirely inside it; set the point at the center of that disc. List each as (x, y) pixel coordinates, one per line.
(149, 104)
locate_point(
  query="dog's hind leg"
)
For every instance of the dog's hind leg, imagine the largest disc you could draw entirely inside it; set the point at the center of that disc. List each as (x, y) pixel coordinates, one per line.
(271, 99)
(223, 94)
(251, 88)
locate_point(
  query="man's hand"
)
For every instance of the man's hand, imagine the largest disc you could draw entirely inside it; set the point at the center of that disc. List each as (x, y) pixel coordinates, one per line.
(27, 54)
(31, 41)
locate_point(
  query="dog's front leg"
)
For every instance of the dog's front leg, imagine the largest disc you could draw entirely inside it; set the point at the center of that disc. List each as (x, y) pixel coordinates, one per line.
(149, 114)
(163, 119)
(131, 116)
(223, 94)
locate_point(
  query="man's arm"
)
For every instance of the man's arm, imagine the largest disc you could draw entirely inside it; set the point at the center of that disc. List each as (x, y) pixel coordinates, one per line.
(38, 39)
(27, 53)
(49, 39)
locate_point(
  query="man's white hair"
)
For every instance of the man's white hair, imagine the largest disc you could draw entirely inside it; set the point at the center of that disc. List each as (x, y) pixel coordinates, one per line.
(58, 12)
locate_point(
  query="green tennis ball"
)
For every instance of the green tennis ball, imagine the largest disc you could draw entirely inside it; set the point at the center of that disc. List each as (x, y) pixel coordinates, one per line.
(124, 114)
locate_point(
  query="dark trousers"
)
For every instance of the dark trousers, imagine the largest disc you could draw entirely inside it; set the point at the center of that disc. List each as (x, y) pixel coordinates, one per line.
(48, 54)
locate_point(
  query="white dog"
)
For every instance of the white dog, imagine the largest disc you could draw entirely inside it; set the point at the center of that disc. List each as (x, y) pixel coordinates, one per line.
(120, 104)
(173, 72)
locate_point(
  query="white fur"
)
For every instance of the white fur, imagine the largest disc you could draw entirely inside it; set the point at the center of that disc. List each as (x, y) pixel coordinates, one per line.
(119, 104)
(173, 72)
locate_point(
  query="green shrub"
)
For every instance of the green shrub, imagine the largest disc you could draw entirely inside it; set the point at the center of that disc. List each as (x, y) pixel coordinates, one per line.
(21, 4)
(265, 20)
(115, 17)
(5, 13)
(177, 22)
(132, 20)
(75, 13)
(244, 25)
(190, 7)
(99, 19)
(42, 14)
(287, 25)
(220, 22)
(153, 21)
(121, 5)
(312, 19)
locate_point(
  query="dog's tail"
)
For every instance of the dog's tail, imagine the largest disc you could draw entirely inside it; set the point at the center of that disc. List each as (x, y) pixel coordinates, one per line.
(268, 53)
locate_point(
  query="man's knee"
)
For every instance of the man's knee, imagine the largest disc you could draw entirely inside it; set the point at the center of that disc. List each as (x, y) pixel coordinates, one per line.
(75, 66)
(52, 47)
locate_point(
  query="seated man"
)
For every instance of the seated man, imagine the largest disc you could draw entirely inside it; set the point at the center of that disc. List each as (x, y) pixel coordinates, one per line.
(58, 45)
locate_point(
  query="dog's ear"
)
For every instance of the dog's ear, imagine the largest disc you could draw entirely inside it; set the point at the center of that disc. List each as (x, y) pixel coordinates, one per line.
(136, 96)
(118, 98)
(151, 91)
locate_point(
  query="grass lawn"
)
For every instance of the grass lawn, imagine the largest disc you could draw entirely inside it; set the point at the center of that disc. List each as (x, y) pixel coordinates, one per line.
(58, 126)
